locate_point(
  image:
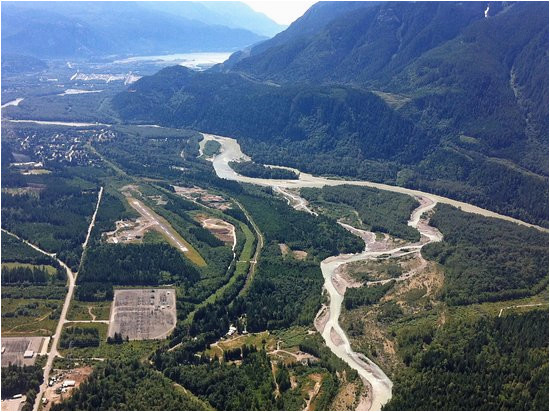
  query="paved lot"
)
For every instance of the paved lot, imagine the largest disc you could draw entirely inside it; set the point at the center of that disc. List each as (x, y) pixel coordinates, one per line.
(143, 313)
(13, 350)
(13, 404)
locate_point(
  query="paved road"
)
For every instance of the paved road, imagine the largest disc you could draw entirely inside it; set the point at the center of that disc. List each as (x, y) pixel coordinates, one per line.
(149, 214)
(53, 352)
(63, 317)
(92, 223)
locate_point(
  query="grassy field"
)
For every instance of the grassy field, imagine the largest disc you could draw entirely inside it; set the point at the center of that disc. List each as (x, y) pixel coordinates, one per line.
(30, 316)
(292, 336)
(241, 269)
(127, 350)
(248, 250)
(259, 340)
(10, 265)
(247, 254)
(81, 310)
(192, 254)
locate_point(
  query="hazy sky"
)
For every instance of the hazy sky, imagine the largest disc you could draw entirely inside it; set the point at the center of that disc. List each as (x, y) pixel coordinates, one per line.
(283, 12)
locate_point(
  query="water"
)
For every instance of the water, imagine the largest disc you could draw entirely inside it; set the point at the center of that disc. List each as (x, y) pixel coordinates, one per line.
(195, 61)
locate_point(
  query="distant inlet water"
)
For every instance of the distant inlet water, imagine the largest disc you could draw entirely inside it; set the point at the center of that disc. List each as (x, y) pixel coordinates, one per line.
(195, 61)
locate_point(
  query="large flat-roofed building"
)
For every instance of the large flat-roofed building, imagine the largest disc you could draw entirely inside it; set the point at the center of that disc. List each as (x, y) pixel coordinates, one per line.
(21, 351)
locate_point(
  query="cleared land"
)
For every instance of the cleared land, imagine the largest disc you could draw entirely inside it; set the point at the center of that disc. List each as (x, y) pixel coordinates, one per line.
(13, 404)
(199, 195)
(162, 226)
(24, 317)
(13, 350)
(143, 313)
(223, 230)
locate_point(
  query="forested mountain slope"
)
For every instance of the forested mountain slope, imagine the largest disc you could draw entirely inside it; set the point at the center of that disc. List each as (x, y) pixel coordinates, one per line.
(429, 95)
(452, 68)
(326, 119)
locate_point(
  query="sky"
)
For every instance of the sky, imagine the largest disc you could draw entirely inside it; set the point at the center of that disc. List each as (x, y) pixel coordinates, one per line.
(283, 12)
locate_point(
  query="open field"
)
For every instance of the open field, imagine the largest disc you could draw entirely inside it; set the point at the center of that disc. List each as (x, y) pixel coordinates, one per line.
(135, 349)
(143, 313)
(89, 310)
(152, 221)
(259, 340)
(223, 230)
(29, 316)
(13, 404)
(13, 350)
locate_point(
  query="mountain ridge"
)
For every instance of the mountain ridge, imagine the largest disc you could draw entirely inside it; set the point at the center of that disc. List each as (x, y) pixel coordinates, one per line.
(85, 29)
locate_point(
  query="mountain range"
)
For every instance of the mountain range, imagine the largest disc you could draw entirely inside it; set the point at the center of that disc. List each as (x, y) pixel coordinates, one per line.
(447, 97)
(99, 29)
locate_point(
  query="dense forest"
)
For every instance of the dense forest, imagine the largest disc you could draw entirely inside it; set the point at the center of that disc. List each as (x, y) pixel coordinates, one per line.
(28, 291)
(94, 291)
(489, 363)
(34, 275)
(284, 293)
(14, 250)
(487, 259)
(37, 218)
(79, 337)
(146, 264)
(116, 385)
(379, 211)
(23, 380)
(365, 295)
(227, 386)
(211, 148)
(252, 169)
(282, 224)
(148, 151)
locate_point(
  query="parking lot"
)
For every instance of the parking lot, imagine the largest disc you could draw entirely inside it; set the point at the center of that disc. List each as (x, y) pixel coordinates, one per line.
(143, 313)
(13, 350)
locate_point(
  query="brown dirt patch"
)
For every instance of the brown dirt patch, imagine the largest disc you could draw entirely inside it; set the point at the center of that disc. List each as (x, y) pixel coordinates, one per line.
(346, 398)
(322, 318)
(299, 254)
(223, 230)
(78, 375)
